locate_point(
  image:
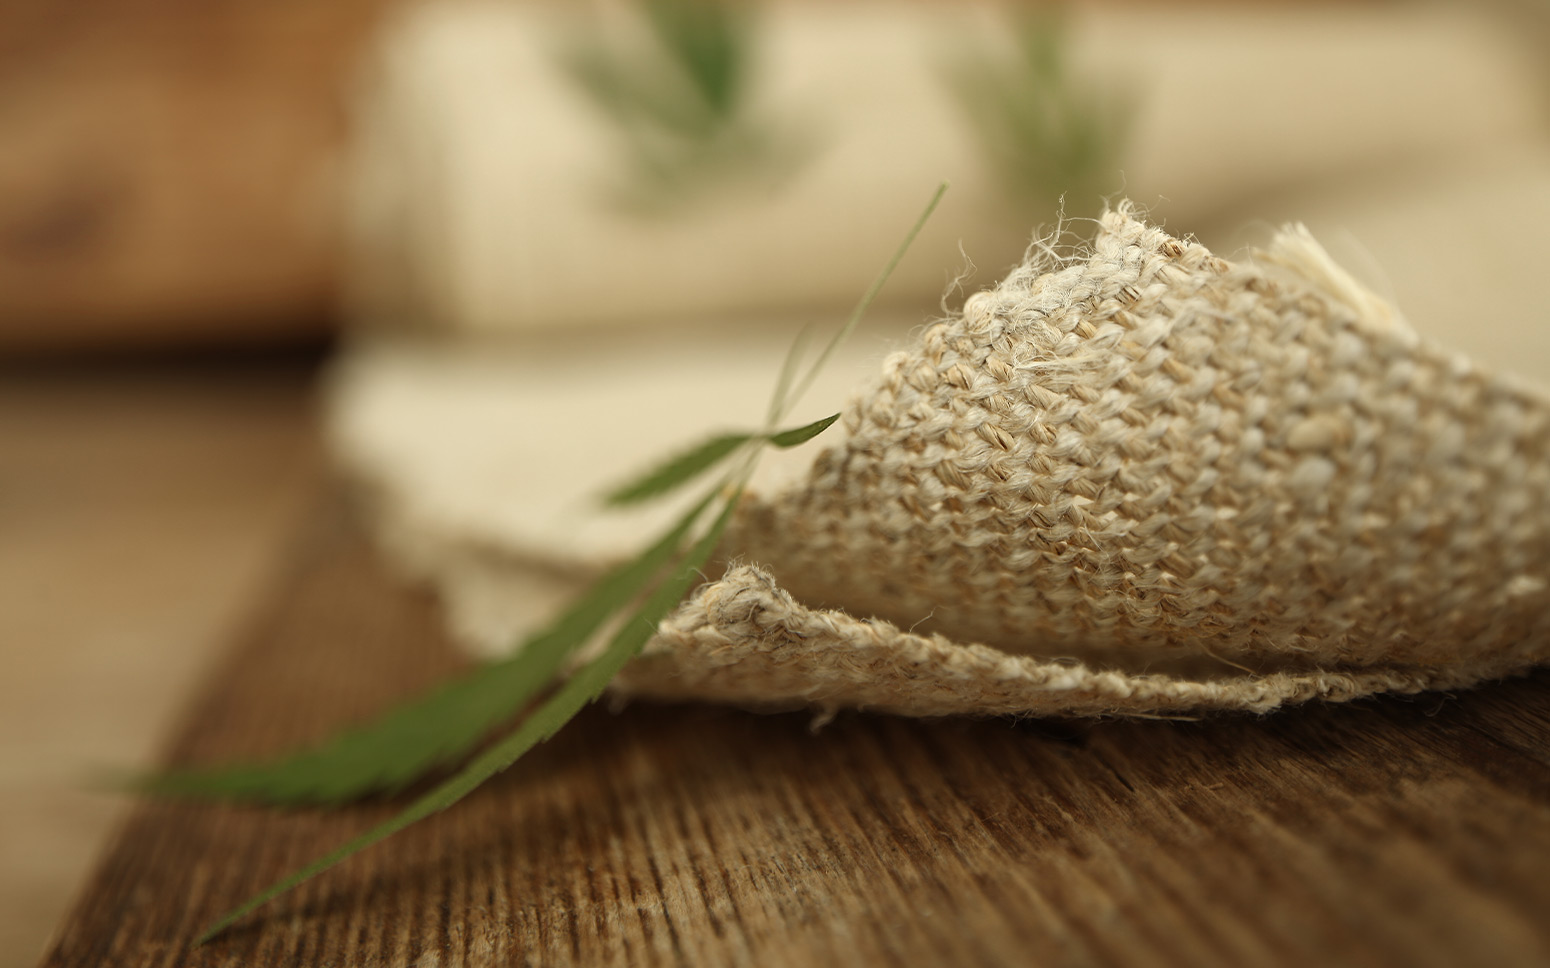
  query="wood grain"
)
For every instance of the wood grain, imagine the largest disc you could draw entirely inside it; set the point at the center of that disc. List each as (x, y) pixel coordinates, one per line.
(1388, 832)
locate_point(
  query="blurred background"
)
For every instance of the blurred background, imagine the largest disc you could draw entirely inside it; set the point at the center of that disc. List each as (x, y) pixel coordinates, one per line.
(445, 245)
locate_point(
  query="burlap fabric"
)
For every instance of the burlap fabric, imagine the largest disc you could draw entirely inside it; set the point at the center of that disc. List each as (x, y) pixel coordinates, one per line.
(1142, 480)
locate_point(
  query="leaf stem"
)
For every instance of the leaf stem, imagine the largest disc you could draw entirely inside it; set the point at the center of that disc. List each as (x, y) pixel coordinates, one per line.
(863, 305)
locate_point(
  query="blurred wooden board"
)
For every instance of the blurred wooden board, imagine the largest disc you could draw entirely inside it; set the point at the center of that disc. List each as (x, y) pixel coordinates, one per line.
(1388, 832)
(168, 170)
(145, 510)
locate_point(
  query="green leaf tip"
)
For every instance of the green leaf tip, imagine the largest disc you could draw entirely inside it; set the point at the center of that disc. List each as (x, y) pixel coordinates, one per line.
(787, 439)
(695, 461)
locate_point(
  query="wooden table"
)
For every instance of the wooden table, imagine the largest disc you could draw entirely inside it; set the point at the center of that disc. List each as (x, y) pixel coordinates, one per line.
(170, 172)
(1391, 831)
(143, 508)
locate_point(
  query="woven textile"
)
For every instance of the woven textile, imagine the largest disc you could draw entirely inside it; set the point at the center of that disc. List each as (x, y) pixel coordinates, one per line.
(1143, 479)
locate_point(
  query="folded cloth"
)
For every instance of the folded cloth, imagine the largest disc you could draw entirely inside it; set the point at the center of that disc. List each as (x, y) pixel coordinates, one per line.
(1142, 480)
(481, 173)
(1134, 479)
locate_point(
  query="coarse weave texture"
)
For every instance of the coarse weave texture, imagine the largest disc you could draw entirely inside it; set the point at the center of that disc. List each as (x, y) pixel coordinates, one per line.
(1145, 480)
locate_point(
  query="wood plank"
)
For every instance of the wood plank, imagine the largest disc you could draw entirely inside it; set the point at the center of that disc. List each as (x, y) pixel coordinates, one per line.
(169, 169)
(144, 511)
(1393, 831)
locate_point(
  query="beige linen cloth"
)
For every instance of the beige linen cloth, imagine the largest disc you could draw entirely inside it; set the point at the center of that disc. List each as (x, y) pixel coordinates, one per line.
(1141, 480)
(1286, 494)
(1146, 481)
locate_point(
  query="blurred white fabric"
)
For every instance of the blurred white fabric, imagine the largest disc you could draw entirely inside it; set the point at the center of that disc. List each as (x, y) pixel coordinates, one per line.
(481, 174)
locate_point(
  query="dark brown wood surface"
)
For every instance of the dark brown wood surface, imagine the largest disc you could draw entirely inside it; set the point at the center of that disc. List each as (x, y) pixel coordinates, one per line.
(1394, 831)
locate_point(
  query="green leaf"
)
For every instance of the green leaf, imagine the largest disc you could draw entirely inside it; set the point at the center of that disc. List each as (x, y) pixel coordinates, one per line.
(582, 687)
(677, 471)
(400, 747)
(455, 717)
(701, 458)
(787, 439)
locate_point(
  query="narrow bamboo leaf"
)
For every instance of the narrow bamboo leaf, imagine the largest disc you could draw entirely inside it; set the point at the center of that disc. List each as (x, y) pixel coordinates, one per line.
(801, 435)
(678, 471)
(400, 747)
(549, 650)
(580, 689)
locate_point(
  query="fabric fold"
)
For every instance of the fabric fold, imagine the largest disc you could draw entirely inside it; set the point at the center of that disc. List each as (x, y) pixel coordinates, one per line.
(1200, 484)
(745, 641)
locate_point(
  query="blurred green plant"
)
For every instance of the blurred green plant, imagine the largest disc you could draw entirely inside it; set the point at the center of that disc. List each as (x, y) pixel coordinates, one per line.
(1048, 132)
(678, 92)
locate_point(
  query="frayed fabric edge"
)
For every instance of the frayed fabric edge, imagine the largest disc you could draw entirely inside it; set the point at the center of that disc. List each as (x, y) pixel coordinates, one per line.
(745, 641)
